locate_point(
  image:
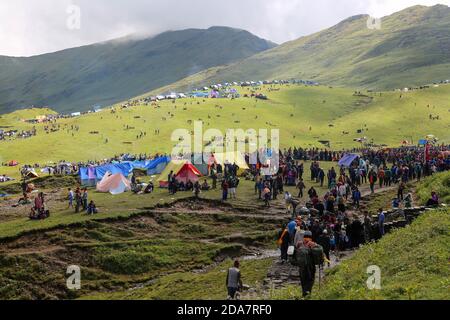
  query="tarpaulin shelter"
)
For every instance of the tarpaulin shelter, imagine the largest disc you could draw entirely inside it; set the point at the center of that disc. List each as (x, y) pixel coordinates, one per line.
(90, 175)
(114, 184)
(347, 160)
(183, 171)
(200, 94)
(31, 174)
(423, 142)
(153, 167)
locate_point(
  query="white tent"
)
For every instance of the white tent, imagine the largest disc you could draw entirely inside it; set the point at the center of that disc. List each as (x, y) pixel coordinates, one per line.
(114, 184)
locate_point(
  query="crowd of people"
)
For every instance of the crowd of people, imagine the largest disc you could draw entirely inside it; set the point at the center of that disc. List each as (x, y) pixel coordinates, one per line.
(78, 200)
(16, 134)
(5, 178)
(324, 221)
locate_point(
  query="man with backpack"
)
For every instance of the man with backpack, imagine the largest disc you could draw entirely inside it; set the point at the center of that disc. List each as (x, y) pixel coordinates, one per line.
(308, 255)
(234, 282)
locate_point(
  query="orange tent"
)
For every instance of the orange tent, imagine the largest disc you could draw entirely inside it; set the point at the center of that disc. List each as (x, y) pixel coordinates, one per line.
(183, 171)
(13, 163)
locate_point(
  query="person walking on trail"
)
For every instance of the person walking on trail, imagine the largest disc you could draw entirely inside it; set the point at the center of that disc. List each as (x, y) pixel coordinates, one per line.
(225, 190)
(312, 193)
(381, 219)
(70, 197)
(234, 281)
(257, 179)
(356, 198)
(372, 180)
(321, 176)
(401, 189)
(300, 186)
(307, 267)
(267, 196)
(291, 229)
(234, 182)
(169, 178)
(325, 241)
(259, 185)
(283, 243)
(381, 176)
(78, 200)
(84, 197)
(291, 203)
(197, 189)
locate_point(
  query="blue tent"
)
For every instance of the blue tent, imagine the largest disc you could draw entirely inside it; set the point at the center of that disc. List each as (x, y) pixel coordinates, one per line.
(200, 94)
(347, 160)
(423, 142)
(122, 168)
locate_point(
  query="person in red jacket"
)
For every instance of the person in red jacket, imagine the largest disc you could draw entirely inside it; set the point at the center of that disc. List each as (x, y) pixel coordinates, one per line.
(381, 175)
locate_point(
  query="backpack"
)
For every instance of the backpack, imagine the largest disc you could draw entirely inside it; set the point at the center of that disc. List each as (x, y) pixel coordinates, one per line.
(317, 255)
(301, 257)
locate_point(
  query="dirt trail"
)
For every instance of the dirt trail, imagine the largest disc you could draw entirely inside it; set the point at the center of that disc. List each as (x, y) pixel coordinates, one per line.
(281, 274)
(34, 250)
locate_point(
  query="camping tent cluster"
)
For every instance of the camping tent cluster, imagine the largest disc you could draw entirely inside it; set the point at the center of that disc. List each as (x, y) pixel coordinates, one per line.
(112, 177)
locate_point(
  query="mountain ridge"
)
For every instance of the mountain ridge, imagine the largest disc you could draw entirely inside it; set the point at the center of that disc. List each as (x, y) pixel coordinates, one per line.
(108, 72)
(411, 48)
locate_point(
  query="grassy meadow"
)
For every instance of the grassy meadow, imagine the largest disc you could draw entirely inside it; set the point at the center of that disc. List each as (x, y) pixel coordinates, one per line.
(304, 115)
(131, 251)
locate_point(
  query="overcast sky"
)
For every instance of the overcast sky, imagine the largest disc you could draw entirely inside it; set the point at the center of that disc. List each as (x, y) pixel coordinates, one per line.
(30, 27)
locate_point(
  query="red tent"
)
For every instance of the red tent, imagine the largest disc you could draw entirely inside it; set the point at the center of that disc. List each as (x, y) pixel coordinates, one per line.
(188, 172)
(13, 163)
(183, 171)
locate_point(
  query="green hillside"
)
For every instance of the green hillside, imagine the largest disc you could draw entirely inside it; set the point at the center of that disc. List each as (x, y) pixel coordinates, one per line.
(412, 48)
(102, 74)
(439, 183)
(304, 115)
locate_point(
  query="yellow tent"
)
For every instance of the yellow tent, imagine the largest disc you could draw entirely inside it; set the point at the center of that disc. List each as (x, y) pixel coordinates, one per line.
(175, 166)
(230, 158)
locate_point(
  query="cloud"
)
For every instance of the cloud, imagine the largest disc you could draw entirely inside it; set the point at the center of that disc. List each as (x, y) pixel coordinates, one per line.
(29, 27)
